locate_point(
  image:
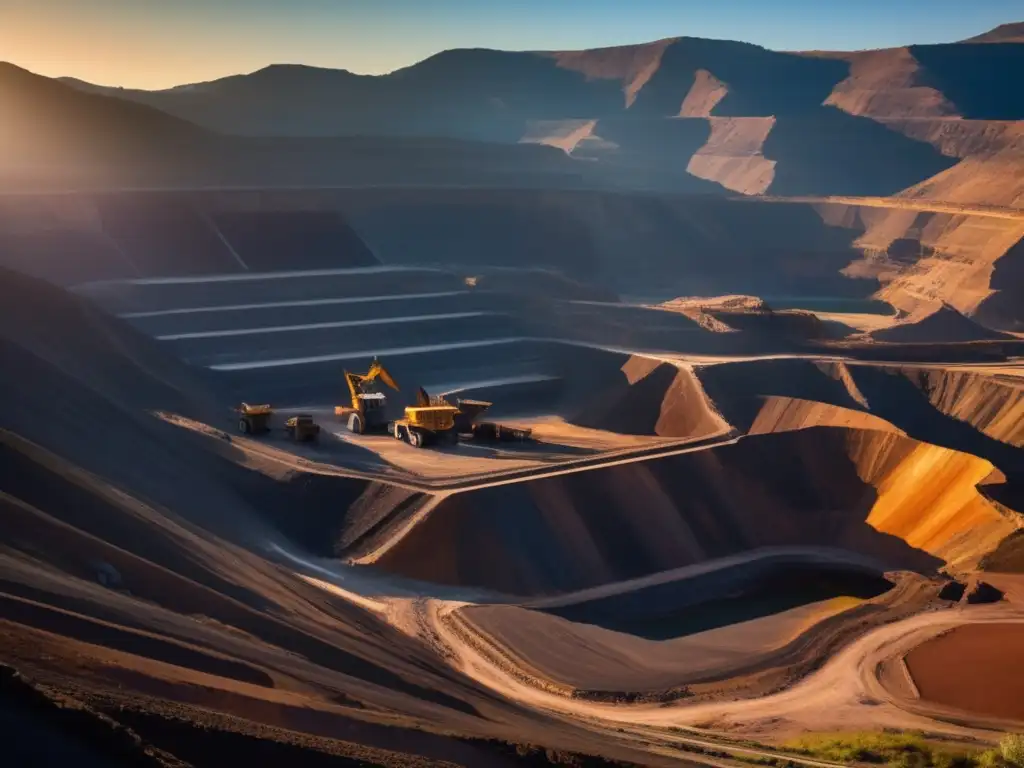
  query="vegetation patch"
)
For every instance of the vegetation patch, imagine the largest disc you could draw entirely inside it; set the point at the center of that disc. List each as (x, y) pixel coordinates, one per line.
(905, 750)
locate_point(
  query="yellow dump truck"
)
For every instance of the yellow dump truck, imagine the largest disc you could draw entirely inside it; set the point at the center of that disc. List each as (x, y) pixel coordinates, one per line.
(302, 429)
(254, 419)
(425, 425)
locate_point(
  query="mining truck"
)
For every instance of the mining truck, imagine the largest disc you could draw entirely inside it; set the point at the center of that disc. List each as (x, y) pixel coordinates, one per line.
(254, 419)
(302, 429)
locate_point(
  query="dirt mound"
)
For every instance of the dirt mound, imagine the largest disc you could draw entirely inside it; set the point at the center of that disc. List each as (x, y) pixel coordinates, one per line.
(707, 304)
(858, 490)
(747, 313)
(944, 324)
(651, 398)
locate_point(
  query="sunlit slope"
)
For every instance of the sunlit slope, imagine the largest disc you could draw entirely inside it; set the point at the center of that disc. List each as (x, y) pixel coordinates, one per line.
(881, 494)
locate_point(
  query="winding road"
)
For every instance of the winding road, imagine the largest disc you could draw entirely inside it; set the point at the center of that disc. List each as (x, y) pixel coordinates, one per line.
(846, 693)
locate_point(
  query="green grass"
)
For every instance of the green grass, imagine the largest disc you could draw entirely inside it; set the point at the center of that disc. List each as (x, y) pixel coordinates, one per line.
(896, 749)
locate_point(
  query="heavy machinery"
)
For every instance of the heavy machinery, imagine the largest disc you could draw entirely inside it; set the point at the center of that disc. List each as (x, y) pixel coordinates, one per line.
(491, 431)
(432, 421)
(368, 409)
(465, 422)
(302, 429)
(425, 425)
(254, 419)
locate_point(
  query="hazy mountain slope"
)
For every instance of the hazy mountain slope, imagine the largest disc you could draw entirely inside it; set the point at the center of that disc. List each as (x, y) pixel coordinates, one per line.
(52, 129)
(620, 108)
(1004, 33)
(58, 136)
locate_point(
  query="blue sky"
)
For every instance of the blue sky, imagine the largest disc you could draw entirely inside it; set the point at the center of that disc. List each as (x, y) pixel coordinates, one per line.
(158, 43)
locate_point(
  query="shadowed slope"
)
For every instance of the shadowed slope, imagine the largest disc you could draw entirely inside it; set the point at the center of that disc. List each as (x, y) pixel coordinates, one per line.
(851, 489)
(51, 129)
(60, 136)
(134, 567)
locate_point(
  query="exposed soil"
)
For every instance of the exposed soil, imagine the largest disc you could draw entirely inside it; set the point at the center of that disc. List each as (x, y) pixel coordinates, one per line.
(971, 668)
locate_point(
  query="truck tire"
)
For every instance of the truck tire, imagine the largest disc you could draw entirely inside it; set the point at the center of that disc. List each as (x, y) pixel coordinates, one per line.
(415, 438)
(355, 424)
(243, 426)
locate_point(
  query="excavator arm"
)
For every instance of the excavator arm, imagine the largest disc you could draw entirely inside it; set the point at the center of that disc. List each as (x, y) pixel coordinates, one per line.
(377, 370)
(356, 381)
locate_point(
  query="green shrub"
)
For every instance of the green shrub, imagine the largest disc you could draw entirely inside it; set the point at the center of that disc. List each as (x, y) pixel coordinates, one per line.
(991, 758)
(899, 750)
(1011, 747)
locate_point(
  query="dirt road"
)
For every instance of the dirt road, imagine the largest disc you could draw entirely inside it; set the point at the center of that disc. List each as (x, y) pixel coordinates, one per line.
(847, 693)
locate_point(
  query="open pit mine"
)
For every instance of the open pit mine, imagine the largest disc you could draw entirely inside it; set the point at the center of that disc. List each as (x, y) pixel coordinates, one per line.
(517, 444)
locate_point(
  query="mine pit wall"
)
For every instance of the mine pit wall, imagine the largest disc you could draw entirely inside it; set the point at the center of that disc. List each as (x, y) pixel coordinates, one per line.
(574, 369)
(677, 244)
(966, 411)
(965, 260)
(855, 490)
(156, 295)
(785, 566)
(261, 346)
(176, 323)
(650, 398)
(736, 246)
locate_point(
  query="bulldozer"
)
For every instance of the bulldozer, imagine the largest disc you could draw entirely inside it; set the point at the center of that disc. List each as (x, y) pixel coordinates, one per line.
(368, 409)
(254, 419)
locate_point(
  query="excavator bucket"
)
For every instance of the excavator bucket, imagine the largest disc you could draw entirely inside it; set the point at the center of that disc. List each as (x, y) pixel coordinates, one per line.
(379, 371)
(422, 398)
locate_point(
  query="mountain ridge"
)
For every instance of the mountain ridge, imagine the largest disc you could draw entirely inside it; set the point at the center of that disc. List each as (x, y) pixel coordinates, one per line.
(679, 114)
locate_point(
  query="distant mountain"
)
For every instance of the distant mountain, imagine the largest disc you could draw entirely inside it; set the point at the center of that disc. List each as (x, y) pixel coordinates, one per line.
(683, 114)
(1004, 33)
(56, 135)
(497, 95)
(50, 128)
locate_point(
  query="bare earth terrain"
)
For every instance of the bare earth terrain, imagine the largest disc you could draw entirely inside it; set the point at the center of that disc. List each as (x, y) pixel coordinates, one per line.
(761, 312)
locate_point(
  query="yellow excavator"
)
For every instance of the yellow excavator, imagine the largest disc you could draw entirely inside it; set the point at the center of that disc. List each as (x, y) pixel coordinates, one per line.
(368, 409)
(426, 423)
